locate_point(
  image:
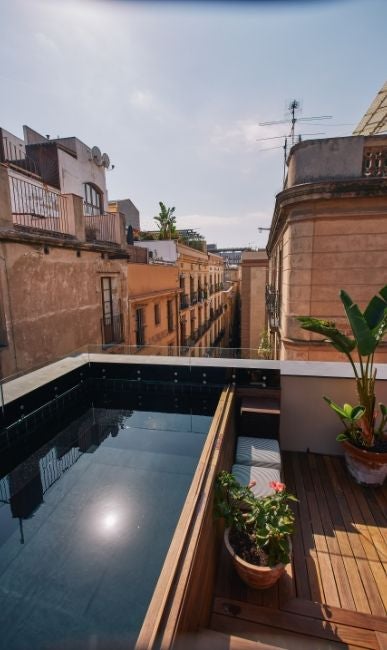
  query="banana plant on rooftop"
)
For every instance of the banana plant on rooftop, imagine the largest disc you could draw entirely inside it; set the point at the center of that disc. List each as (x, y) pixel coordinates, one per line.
(368, 330)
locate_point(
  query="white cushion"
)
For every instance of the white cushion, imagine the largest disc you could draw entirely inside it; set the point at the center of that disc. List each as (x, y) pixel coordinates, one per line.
(262, 476)
(261, 452)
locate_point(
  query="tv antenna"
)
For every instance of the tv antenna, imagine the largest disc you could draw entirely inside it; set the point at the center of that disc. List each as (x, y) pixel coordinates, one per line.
(294, 106)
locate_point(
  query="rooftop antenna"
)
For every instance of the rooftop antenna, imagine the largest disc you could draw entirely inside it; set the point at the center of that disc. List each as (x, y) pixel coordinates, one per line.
(294, 106)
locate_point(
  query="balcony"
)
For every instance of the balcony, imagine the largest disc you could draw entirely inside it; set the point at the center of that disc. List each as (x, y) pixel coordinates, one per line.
(112, 330)
(140, 337)
(184, 301)
(194, 297)
(102, 227)
(35, 207)
(272, 306)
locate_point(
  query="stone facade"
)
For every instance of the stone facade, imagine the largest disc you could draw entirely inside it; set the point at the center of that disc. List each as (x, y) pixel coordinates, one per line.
(253, 311)
(329, 232)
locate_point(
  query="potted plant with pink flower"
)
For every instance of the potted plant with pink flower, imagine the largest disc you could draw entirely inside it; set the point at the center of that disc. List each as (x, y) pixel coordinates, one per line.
(258, 530)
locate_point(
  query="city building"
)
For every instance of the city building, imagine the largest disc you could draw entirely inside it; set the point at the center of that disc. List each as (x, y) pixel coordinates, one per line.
(129, 210)
(328, 232)
(153, 303)
(202, 297)
(63, 258)
(254, 269)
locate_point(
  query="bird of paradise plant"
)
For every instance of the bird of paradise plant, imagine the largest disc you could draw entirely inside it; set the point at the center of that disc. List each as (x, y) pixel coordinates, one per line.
(368, 330)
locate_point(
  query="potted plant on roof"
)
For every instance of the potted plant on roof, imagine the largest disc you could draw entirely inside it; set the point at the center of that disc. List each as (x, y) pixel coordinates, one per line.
(258, 530)
(364, 434)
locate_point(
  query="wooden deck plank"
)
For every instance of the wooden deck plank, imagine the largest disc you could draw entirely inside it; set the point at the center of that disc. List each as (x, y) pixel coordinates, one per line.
(212, 640)
(358, 590)
(321, 629)
(282, 639)
(338, 567)
(338, 550)
(331, 595)
(366, 548)
(337, 615)
(300, 537)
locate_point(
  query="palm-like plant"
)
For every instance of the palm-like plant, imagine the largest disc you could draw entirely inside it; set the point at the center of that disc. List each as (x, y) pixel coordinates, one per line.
(166, 221)
(368, 329)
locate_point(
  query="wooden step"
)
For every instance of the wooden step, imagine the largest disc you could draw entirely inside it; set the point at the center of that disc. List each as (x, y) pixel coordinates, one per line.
(210, 640)
(252, 620)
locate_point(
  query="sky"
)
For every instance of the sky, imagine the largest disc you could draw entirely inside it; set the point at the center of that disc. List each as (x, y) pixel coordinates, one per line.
(174, 93)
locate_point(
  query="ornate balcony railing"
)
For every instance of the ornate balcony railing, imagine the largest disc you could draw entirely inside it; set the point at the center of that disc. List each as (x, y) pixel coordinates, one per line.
(194, 297)
(272, 306)
(375, 162)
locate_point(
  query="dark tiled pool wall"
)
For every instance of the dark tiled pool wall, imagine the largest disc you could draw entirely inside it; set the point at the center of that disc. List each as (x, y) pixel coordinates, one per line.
(180, 378)
(30, 430)
(42, 395)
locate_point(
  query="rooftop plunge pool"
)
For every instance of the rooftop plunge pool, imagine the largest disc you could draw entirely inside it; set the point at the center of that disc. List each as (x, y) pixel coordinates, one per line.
(90, 496)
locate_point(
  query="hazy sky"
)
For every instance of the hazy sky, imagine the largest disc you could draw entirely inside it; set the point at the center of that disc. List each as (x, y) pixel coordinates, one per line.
(174, 93)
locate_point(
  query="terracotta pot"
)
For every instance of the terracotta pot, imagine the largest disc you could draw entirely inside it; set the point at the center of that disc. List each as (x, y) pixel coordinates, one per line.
(366, 467)
(254, 576)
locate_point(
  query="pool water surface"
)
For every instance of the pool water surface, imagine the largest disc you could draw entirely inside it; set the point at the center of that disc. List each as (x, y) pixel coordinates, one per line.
(85, 524)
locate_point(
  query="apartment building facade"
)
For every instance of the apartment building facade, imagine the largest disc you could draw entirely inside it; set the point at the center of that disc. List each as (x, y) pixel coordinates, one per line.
(329, 232)
(153, 308)
(63, 259)
(254, 270)
(202, 300)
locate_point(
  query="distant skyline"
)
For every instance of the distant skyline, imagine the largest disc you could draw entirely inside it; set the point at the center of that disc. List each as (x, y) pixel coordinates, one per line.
(174, 93)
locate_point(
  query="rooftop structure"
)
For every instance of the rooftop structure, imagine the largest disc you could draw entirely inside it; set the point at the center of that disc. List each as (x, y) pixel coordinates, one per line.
(375, 119)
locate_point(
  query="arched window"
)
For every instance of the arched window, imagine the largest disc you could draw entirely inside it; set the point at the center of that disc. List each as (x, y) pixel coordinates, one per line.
(93, 200)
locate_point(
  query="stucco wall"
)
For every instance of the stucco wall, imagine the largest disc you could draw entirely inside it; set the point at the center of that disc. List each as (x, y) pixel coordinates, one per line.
(328, 247)
(75, 172)
(330, 158)
(53, 301)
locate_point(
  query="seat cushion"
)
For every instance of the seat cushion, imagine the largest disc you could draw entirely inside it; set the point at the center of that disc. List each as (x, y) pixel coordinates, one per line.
(261, 452)
(262, 476)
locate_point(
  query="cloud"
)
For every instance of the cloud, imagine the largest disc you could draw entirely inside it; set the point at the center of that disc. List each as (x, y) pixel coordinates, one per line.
(46, 43)
(246, 135)
(142, 99)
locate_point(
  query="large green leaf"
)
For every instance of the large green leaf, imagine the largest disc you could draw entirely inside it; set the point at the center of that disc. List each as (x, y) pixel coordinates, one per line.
(376, 309)
(328, 329)
(366, 341)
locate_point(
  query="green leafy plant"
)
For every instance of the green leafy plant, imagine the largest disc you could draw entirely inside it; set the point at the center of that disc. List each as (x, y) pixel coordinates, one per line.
(368, 330)
(263, 526)
(166, 222)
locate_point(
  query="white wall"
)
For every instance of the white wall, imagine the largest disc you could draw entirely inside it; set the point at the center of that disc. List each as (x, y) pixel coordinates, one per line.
(164, 250)
(75, 172)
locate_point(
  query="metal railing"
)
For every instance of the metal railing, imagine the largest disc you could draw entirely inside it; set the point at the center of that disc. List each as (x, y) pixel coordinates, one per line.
(272, 306)
(184, 301)
(112, 330)
(194, 297)
(35, 206)
(140, 337)
(101, 227)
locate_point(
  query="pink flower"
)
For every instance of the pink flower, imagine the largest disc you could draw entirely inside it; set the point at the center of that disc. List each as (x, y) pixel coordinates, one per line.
(277, 486)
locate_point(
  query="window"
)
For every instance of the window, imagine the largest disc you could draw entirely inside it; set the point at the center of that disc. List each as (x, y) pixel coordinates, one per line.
(140, 327)
(170, 315)
(157, 314)
(93, 203)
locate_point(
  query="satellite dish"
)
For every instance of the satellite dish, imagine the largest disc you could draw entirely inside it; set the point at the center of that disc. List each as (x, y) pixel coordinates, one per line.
(96, 155)
(105, 160)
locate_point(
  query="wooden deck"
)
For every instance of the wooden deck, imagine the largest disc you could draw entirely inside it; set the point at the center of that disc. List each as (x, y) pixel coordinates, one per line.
(334, 594)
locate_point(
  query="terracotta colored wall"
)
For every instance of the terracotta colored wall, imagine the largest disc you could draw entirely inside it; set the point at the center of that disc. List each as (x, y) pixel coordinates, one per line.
(150, 285)
(253, 314)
